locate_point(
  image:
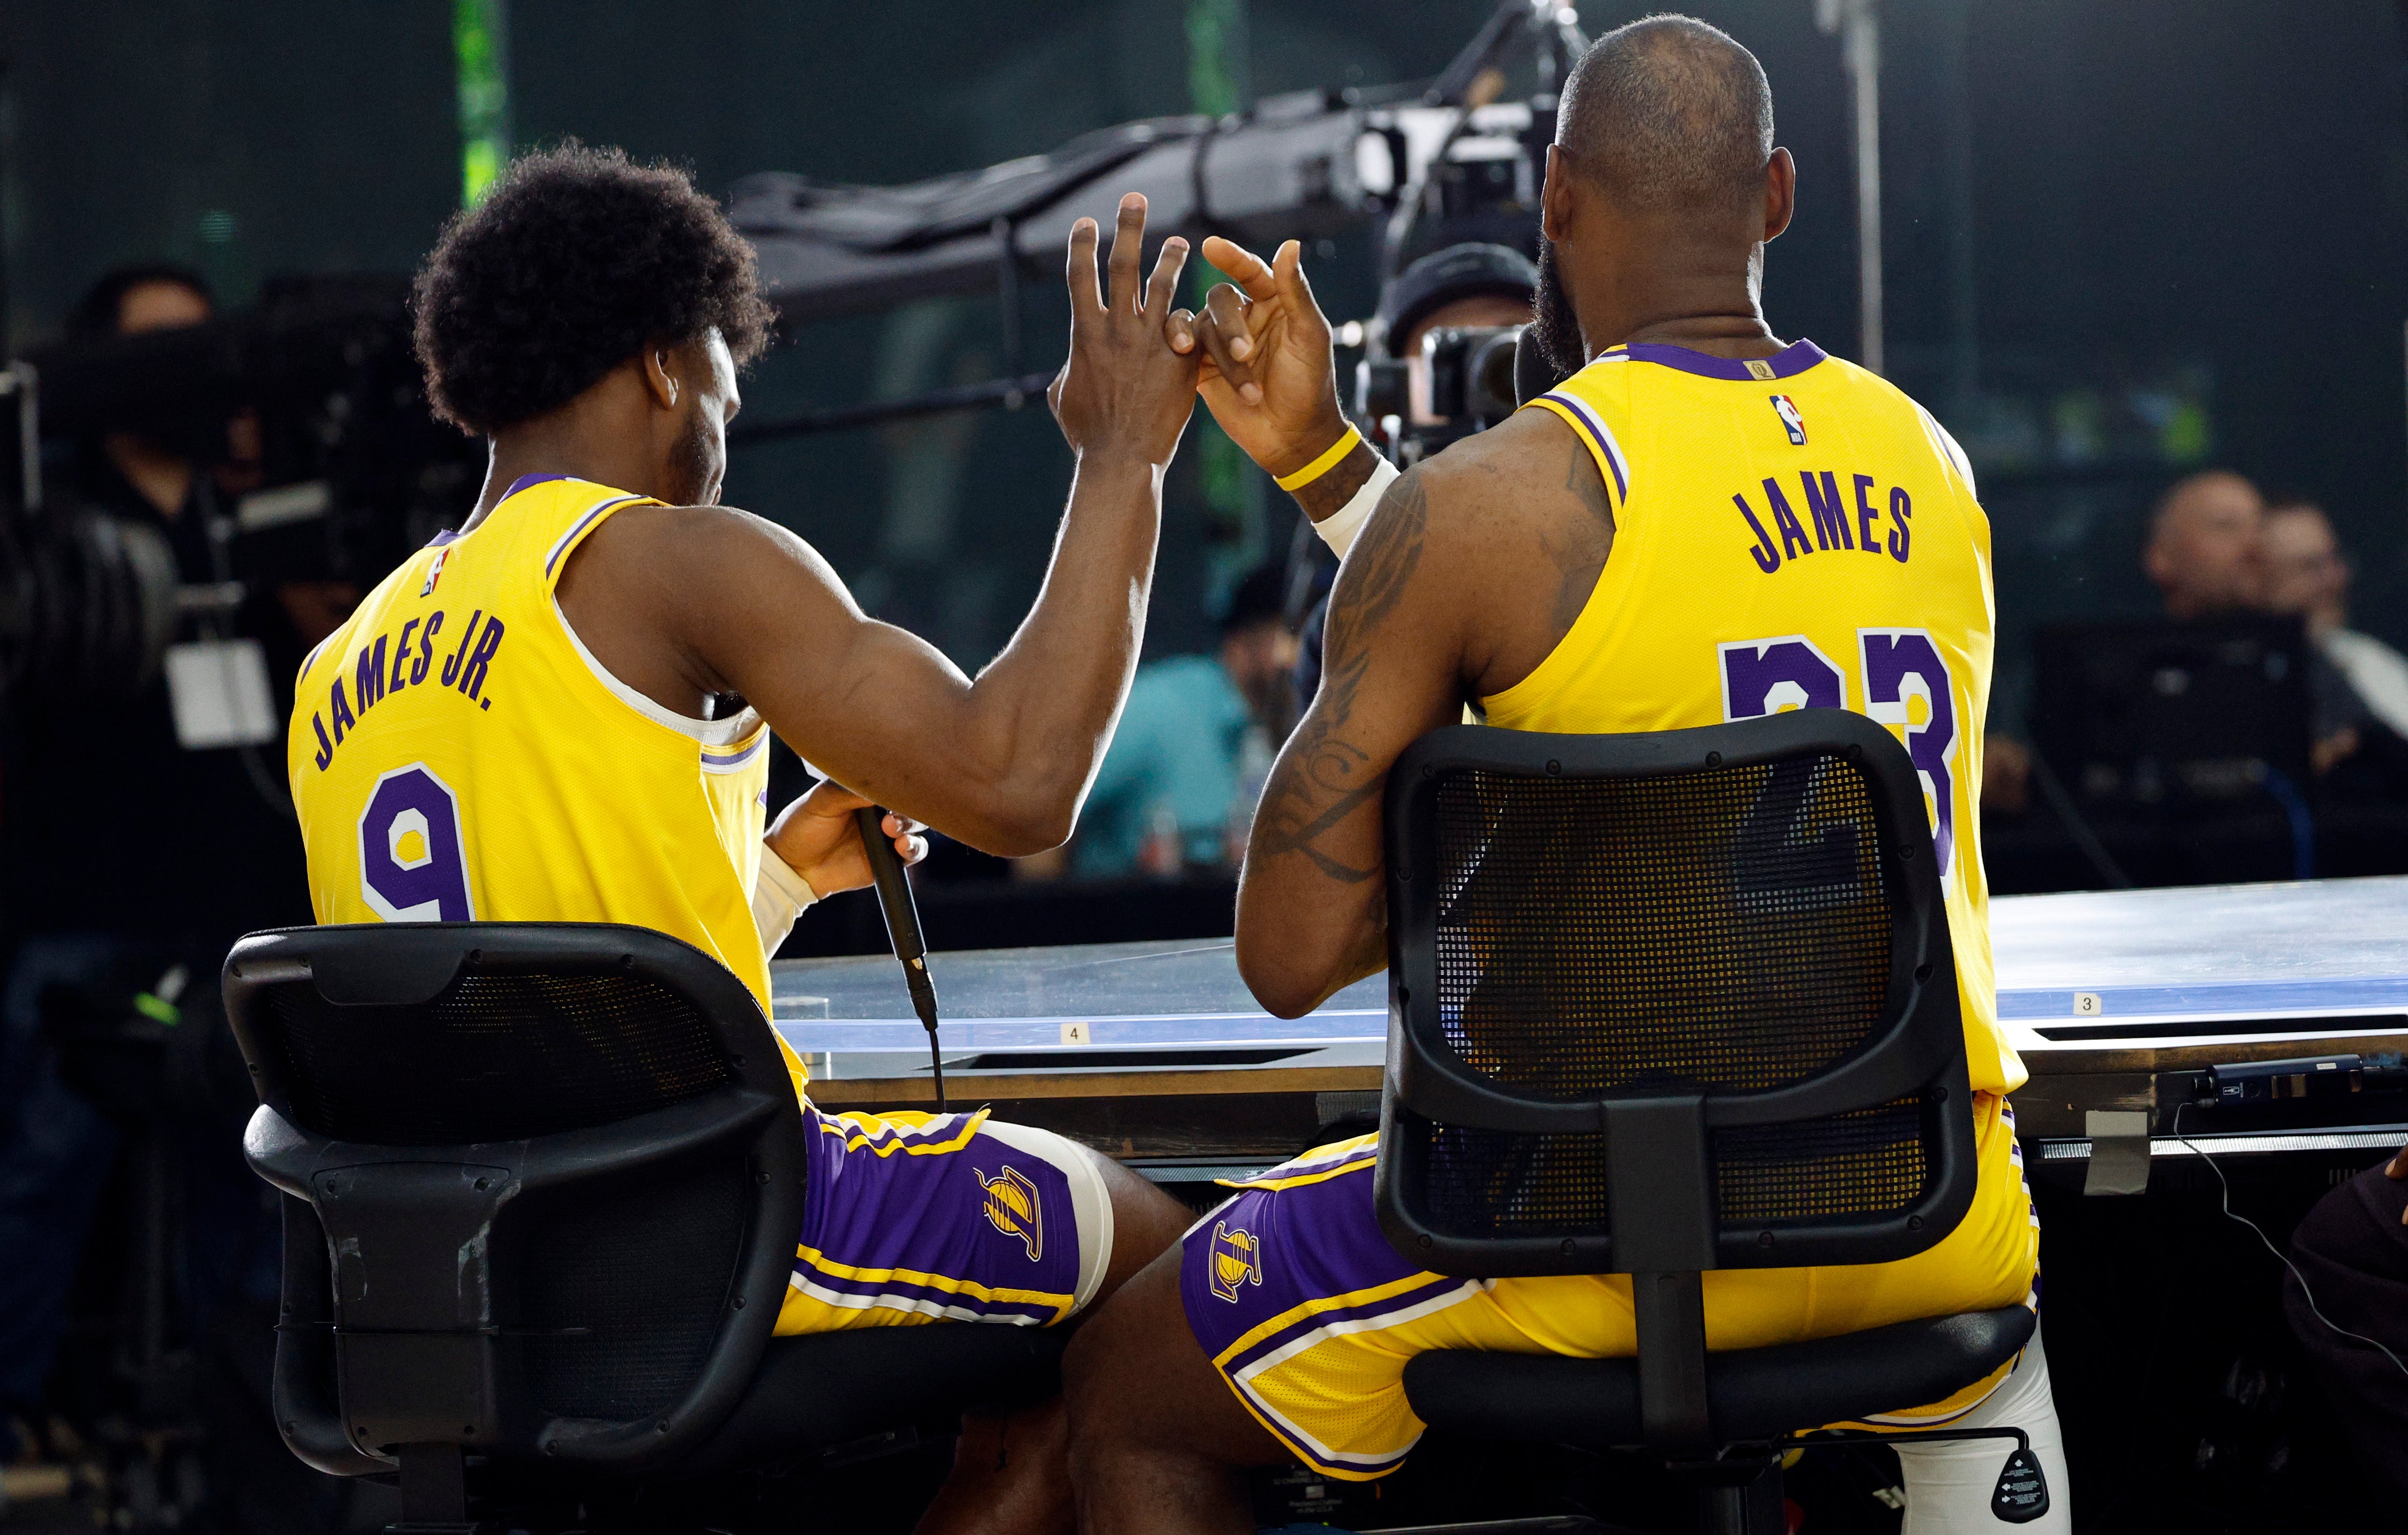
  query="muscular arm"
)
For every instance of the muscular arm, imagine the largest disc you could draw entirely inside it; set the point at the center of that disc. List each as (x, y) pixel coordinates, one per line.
(681, 602)
(1313, 903)
(1473, 568)
(1000, 762)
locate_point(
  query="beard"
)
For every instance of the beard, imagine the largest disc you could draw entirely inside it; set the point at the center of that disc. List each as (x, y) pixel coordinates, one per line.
(696, 465)
(1553, 324)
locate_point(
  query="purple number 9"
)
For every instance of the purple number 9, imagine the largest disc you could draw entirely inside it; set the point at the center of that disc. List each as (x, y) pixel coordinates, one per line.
(412, 867)
(1902, 665)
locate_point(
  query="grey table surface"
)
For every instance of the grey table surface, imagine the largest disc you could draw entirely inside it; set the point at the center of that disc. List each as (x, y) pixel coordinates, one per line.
(2075, 965)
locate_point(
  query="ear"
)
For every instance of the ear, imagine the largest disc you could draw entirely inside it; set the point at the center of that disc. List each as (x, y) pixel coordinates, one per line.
(1555, 196)
(2156, 561)
(1780, 193)
(661, 379)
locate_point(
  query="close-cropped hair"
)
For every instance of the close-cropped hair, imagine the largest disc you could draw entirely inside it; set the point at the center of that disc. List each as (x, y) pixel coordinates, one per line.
(577, 259)
(1669, 112)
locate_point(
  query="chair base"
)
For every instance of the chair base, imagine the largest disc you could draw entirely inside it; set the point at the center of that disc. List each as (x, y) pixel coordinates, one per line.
(1728, 1505)
(1738, 1493)
(825, 1400)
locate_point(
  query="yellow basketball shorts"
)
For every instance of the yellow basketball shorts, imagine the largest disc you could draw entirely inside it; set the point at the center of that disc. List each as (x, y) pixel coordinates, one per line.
(912, 1218)
(1310, 1316)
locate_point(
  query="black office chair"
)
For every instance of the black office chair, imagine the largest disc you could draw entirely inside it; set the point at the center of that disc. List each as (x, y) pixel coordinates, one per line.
(1668, 1002)
(543, 1184)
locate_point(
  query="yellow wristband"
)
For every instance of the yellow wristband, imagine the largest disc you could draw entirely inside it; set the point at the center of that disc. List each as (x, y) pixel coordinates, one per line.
(1323, 465)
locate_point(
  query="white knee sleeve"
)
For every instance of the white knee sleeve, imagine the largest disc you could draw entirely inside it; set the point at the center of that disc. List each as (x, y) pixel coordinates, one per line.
(1948, 1484)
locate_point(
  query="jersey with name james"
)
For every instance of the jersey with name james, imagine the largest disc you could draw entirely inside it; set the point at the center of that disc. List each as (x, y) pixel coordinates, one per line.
(1792, 532)
(456, 754)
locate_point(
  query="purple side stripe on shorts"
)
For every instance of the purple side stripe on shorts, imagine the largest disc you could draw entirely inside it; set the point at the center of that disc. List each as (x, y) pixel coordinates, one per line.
(929, 1213)
(1023, 1313)
(1401, 1300)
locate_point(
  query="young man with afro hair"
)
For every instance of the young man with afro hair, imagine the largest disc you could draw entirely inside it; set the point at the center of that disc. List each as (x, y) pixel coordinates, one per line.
(562, 712)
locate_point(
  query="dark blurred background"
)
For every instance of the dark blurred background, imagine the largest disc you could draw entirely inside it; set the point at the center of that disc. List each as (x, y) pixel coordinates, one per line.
(2122, 244)
(2121, 241)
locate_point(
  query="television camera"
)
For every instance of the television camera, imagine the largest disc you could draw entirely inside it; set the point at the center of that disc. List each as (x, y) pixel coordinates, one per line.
(1451, 161)
(349, 471)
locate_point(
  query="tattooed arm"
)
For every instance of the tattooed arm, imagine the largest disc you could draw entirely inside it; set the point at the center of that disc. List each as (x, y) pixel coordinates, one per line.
(1313, 906)
(1473, 568)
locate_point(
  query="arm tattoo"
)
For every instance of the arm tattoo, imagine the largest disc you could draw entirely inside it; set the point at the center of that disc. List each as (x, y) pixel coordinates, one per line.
(1323, 777)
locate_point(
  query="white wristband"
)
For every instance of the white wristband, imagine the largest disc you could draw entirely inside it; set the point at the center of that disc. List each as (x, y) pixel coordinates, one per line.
(1339, 528)
(779, 896)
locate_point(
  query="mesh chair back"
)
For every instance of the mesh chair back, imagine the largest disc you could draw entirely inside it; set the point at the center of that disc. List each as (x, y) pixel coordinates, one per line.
(1746, 919)
(543, 1182)
(460, 1067)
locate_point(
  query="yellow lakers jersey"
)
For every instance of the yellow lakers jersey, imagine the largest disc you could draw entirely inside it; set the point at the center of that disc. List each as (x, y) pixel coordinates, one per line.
(457, 753)
(1789, 533)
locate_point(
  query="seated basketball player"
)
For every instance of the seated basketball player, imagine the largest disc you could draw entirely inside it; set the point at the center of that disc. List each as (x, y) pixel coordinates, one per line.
(1700, 523)
(562, 712)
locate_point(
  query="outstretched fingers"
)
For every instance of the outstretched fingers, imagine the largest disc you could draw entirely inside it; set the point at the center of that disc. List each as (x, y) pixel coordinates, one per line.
(1086, 293)
(1288, 280)
(1163, 286)
(1243, 266)
(1128, 244)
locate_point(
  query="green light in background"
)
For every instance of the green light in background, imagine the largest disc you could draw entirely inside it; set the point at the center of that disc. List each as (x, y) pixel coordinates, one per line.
(1216, 56)
(480, 45)
(1235, 512)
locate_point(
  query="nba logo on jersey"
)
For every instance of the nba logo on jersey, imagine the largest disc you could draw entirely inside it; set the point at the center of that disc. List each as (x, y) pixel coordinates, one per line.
(1237, 1259)
(1011, 1208)
(435, 572)
(1787, 408)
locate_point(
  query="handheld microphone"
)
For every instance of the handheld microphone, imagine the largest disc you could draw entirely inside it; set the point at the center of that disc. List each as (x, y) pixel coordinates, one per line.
(903, 928)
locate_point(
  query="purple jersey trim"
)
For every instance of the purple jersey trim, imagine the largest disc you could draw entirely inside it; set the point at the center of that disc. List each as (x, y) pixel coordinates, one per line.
(583, 524)
(521, 482)
(1788, 362)
(717, 761)
(1606, 448)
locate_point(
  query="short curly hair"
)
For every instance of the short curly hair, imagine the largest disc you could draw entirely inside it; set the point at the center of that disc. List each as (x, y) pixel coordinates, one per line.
(576, 259)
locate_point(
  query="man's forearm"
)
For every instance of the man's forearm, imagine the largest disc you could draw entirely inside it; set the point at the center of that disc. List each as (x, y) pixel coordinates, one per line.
(1046, 703)
(1324, 496)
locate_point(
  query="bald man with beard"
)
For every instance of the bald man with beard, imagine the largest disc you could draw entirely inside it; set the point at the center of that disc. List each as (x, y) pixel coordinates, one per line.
(1700, 523)
(2207, 546)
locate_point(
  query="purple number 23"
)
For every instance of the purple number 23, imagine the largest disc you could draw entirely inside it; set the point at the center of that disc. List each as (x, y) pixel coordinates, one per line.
(1767, 676)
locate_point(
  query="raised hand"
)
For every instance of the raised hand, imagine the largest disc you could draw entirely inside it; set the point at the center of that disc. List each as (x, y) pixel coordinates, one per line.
(1267, 376)
(1120, 389)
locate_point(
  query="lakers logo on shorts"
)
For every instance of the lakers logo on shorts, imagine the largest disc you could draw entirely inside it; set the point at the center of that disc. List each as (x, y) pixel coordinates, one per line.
(1237, 1259)
(1011, 1208)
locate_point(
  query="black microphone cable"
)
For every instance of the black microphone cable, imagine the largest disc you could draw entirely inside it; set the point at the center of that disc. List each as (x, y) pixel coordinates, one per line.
(903, 929)
(2280, 1256)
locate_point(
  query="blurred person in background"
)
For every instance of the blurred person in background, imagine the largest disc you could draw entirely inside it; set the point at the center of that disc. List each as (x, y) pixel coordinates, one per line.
(2307, 575)
(1462, 285)
(130, 865)
(2207, 551)
(1177, 789)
